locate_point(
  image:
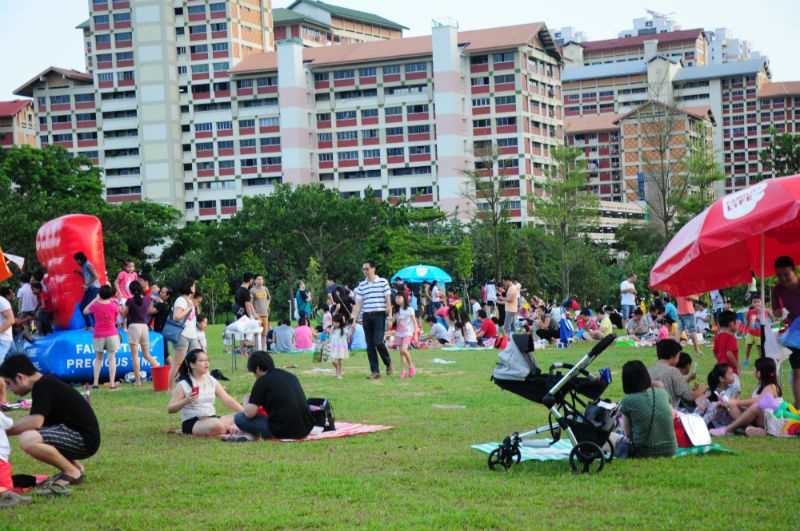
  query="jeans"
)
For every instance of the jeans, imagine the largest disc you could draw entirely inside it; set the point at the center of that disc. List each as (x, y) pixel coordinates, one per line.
(88, 296)
(508, 324)
(258, 425)
(374, 328)
(627, 311)
(5, 348)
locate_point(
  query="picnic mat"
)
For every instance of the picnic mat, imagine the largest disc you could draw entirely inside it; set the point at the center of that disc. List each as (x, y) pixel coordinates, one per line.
(343, 429)
(541, 451)
(455, 349)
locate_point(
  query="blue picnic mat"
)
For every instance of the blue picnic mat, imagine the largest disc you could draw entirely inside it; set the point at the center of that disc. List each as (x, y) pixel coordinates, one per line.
(541, 450)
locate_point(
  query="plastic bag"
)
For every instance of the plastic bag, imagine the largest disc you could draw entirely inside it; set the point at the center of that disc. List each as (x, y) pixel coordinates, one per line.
(791, 338)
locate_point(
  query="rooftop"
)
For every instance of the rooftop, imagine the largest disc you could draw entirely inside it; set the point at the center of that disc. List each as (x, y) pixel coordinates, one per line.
(736, 68)
(12, 108)
(351, 14)
(701, 113)
(86, 24)
(281, 16)
(626, 68)
(779, 88)
(591, 122)
(485, 40)
(638, 40)
(74, 75)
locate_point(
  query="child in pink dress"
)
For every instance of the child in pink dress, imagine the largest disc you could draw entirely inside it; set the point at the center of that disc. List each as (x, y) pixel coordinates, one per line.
(406, 328)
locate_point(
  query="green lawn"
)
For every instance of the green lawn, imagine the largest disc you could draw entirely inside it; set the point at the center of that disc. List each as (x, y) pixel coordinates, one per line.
(420, 475)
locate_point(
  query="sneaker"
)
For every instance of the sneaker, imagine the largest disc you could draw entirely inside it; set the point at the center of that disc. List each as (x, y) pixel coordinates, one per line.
(718, 432)
(389, 370)
(403, 374)
(412, 371)
(12, 499)
(374, 376)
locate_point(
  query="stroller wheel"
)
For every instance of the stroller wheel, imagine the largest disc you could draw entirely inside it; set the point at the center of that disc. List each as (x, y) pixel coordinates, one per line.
(610, 454)
(497, 457)
(586, 458)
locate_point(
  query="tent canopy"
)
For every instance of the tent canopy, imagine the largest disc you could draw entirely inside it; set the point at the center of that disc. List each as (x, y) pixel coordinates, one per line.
(418, 274)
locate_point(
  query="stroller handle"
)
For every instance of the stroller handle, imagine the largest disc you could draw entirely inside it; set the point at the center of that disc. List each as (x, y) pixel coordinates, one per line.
(602, 345)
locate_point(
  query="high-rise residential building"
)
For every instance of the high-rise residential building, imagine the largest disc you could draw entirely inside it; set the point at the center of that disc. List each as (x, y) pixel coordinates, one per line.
(689, 46)
(567, 34)
(655, 23)
(184, 106)
(17, 124)
(724, 48)
(323, 24)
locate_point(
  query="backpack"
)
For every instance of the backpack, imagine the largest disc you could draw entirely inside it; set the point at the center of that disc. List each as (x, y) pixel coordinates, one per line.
(322, 413)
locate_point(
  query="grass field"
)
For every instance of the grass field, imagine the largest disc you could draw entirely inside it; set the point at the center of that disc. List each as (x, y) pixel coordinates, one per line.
(420, 475)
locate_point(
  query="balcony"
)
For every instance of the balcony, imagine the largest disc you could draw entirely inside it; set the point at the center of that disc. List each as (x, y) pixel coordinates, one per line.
(505, 108)
(322, 85)
(507, 65)
(344, 82)
(505, 87)
(372, 162)
(87, 124)
(348, 163)
(482, 131)
(370, 141)
(371, 80)
(324, 145)
(269, 129)
(396, 160)
(418, 116)
(480, 89)
(422, 157)
(481, 110)
(346, 123)
(391, 78)
(324, 124)
(325, 164)
(268, 89)
(372, 120)
(416, 75)
(394, 139)
(208, 211)
(346, 143)
(475, 69)
(422, 137)
(61, 126)
(197, 37)
(393, 118)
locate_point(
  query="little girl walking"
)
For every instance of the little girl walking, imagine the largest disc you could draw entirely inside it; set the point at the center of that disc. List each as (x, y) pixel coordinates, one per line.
(406, 327)
(338, 348)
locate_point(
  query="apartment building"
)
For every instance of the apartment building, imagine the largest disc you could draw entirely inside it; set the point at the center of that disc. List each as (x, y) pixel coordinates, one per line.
(689, 46)
(323, 24)
(191, 116)
(17, 124)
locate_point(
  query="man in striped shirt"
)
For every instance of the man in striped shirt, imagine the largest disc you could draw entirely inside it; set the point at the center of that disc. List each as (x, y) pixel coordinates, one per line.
(373, 297)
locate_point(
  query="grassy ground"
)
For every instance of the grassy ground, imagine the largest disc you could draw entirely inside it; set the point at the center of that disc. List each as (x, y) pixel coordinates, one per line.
(420, 475)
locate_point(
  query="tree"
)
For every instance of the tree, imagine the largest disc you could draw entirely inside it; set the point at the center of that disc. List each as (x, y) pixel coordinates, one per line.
(215, 288)
(315, 281)
(781, 157)
(703, 172)
(130, 229)
(566, 209)
(484, 189)
(662, 140)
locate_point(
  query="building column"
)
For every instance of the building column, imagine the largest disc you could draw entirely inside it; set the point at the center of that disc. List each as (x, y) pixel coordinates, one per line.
(157, 98)
(295, 119)
(454, 152)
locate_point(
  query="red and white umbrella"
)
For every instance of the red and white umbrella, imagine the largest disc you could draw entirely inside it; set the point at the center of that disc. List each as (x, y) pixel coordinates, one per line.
(739, 235)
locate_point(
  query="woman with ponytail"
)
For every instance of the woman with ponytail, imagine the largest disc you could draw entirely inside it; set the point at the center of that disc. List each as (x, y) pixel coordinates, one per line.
(137, 312)
(749, 413)
(194, 395)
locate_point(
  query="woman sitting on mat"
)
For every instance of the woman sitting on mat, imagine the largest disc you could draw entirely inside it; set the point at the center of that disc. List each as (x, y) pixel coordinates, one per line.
(194, 397)
(647, 416)
(749, 413)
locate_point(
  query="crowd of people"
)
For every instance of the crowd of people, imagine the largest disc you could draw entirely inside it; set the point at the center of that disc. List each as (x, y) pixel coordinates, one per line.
(61, 428)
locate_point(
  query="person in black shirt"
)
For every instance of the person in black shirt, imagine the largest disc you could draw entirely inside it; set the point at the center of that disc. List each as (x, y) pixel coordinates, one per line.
(242, 300)
(277, 406)
(61, 428)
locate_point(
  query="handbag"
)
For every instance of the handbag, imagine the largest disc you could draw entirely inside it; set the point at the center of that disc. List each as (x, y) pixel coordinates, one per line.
(791, 338)
(322, 413)
(173, 328)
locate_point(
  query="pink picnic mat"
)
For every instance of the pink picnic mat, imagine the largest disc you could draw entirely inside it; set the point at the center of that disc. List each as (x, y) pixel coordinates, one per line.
(343, 429)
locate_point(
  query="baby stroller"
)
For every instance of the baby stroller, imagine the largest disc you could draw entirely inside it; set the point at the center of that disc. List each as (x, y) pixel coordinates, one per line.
(573, 401)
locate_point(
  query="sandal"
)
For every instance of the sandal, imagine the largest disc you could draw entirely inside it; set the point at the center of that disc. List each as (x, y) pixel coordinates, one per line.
(69, 479)
(51, 488)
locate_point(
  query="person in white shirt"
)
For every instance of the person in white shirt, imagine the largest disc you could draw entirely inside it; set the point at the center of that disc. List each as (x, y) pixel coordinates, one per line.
(8, 498)
(184, 311)
(6, 322)
(627, 290)
(491, 298)
(701, 317)
(373, 296)
(476, 307)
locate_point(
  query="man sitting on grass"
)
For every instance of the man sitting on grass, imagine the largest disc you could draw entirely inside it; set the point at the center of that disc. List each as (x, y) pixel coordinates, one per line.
(666, 372)
(61, 428)
(277, 406)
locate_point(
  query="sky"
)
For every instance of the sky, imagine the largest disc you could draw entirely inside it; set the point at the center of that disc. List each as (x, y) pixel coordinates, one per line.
(36, 34)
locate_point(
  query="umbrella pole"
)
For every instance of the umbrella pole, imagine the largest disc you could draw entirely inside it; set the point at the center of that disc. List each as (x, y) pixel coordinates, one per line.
(763, 316)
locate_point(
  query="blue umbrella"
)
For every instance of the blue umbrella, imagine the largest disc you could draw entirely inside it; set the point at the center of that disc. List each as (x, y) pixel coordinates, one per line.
(417, 274)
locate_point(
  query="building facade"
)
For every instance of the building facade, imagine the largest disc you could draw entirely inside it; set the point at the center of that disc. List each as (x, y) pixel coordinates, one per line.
(688, 46)
(17, 124)
(321, 24)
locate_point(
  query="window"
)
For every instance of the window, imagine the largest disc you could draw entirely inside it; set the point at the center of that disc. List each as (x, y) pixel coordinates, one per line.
(346, 115)
(272, 121)
(268, 102)
(244, 83)
(227, 164)
(197, 10)
(419, 129)
(415, 67)
(346, 135)
(101, 19)
(419, 150)
(270, 161)
(479, 81)
(480, 102)
(326, 157)
(219, 26)
(344, 74)
(62, 119)
(59, 100)
(324, 137)
(228, 203)
(508, 163)
(103, 38)
(479, 60)
(87, 136)
(124, 190)
(200, 69)
(196, 30)
(415, 109)
(221, 67)
(225, 144)
(208, 204)
(182, 70)
(506, 121)
(247, 143)
(320, 76)
(347, 155)
(267, 82)
(395, 152)
(397, 192)
(67, 137)
(84, 117)
(202, 127)
(124, 16)
(367, 72)
(391, 70)
(505, 100)
(204, 146)
(503, 57)
(123, 37)
(507, 142)
(422, 190)
(393, 111)
(477, 124)
(372, 154)
(224, 126)
(125, 76)
(507, 78)
(369, 113)
(394, 131)
(198, 48)
(369, 133)
(270, 141)
(124, 56)
(324, 117)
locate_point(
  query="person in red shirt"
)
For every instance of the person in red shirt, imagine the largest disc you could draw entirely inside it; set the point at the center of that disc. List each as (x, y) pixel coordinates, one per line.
(726, 348)
(487, 334)
(752, 328)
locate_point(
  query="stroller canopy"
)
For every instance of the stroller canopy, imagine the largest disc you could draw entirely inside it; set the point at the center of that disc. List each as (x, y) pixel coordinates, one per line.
(515, 361)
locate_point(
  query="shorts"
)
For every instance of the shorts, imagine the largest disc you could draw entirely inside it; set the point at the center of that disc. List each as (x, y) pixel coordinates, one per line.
(186, 344)
(138, 334)
(5, 475)
(750, 339)
(688, 323)
(490, 303)
(794, 359)
(109, 344)
(627, 311)
(70, 443)
(188, 425)
(264, 321)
